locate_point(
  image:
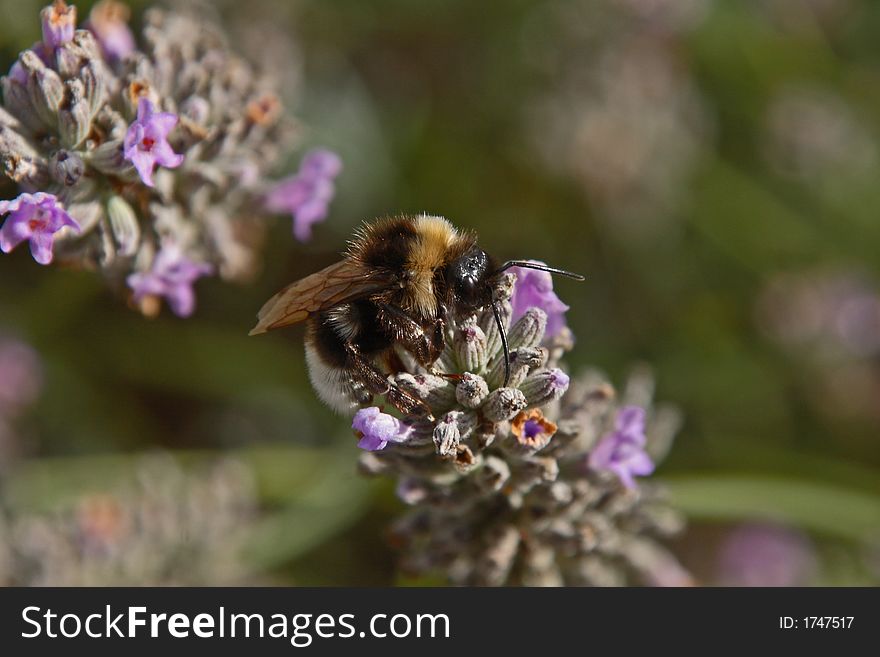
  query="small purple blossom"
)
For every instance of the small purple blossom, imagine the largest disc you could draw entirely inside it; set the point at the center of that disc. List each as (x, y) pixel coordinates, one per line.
(21, 376)
(59, 23)
(35, 217)
(108, 21)
(307, 194)
(623, 450)
(764, 554)
(146, 142)
(534, 289)
(171, 276)
(377, 429)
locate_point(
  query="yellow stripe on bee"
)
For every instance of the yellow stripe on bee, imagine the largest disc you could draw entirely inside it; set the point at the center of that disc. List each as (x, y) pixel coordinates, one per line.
(435, 235)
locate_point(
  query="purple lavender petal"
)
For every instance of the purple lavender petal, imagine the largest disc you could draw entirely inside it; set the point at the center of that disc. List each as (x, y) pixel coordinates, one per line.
(171, 276)
(534, 289)
(622, 451)
(321, 163)
(15, 230)
(307, 194)
(108, 21)
(35, 217)
(41, 247)
(377, 429)
(146, 141)
(372, 443)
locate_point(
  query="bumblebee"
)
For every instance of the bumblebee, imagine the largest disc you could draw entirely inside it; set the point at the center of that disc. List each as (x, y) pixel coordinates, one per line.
(400, 282)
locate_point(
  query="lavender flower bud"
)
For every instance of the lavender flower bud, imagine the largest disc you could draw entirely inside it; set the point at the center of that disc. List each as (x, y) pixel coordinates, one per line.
(435, 390)
(470, 347)
(545, 386)
(12, 144)
(66, 168)
(447, 434)
(471, 390)
(93, 87)
(125, 227)
(503, 404)
(74, 119)
(58, 23)
(108, 158)
(67, 61)
(522, 361)
(17, 100)
(45, 88)
(528, 330)
(501, 295)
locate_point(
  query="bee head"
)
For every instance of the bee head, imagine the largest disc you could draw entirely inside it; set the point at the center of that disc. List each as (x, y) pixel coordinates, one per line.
(469, 277)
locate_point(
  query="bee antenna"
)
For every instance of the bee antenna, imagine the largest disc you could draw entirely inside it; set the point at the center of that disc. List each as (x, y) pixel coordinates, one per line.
(535, 265)
(504, 344)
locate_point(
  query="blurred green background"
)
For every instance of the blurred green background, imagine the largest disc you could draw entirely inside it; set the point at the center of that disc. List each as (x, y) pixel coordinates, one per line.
(712, 166)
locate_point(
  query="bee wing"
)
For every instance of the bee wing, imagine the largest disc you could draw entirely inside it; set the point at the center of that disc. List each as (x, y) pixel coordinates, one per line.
(339, 283)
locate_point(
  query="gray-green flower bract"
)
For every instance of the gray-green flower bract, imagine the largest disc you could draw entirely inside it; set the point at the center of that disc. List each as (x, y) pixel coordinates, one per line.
(500, 486)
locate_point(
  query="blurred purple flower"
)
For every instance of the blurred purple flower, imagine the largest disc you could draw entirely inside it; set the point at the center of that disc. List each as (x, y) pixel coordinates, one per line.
(307, 194)
(21, 376)
(623, 451)
(377, 429)
(146, 142)
(59, 22)
(534, 289)
(171, 276)
(763, 554)
(108, 21)
(35, 217)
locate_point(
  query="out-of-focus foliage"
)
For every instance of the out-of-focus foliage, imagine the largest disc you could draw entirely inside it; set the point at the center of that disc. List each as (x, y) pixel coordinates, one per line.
(712, 166)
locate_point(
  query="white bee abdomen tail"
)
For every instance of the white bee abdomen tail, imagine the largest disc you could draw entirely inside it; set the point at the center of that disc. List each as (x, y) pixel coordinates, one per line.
(334, 386)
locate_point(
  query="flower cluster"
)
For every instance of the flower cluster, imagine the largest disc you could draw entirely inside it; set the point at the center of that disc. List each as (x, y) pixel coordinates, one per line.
(530, 483)
(139, 156)
(167, 527)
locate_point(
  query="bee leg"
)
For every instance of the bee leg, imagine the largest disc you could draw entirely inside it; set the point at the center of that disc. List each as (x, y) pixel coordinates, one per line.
(378, 384)
(449, 377)
(424, 343)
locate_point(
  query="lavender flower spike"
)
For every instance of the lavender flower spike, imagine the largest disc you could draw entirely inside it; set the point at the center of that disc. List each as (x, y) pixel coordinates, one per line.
(171, 276)
(59, 23)
(146, 142)
(108, 21)
(623, 451)
(377, 429)
(35, 217)
(498, 488)
(307, 194)
(534, 289)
